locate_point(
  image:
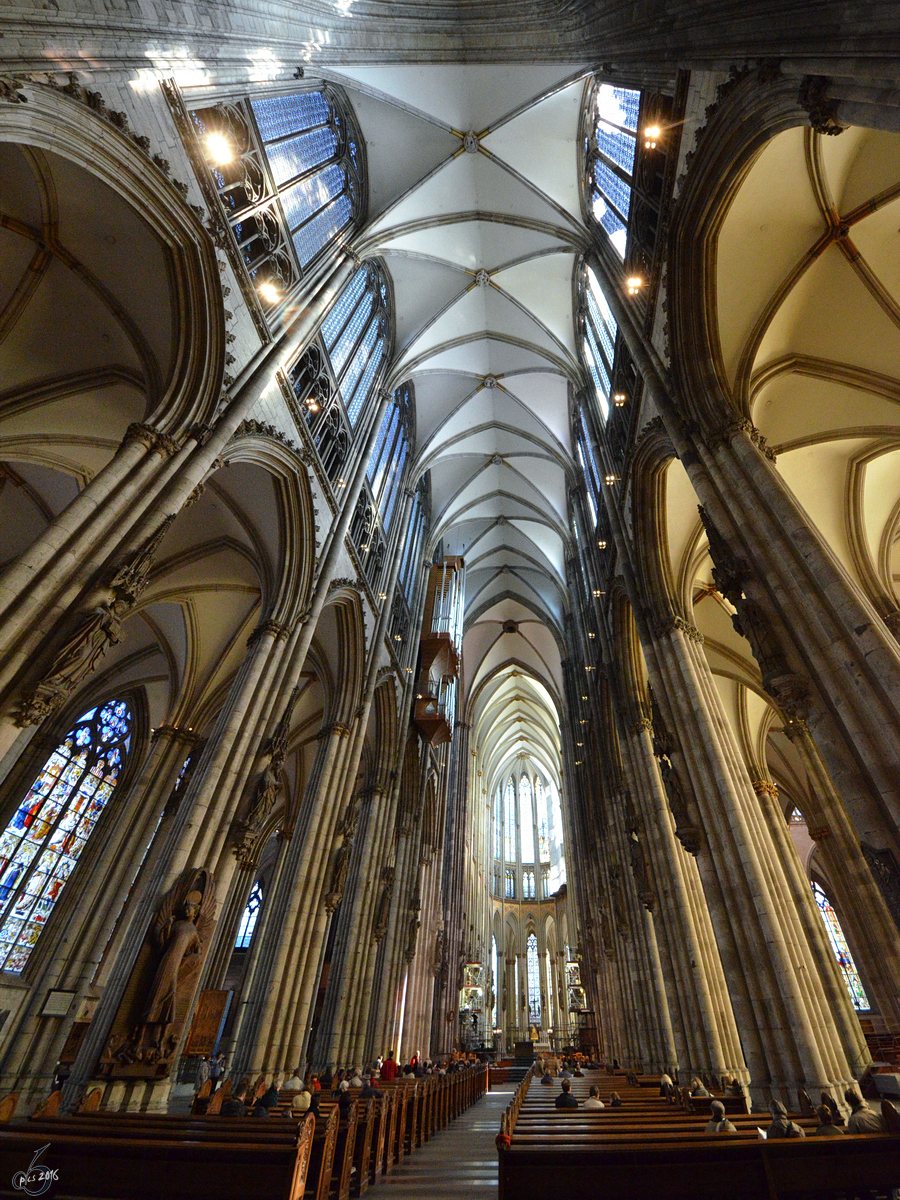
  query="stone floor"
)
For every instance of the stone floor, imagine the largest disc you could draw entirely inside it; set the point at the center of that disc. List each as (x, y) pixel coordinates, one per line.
(460, 1163)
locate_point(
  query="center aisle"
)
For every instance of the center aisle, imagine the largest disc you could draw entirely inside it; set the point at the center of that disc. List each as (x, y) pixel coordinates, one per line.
(459, 1163)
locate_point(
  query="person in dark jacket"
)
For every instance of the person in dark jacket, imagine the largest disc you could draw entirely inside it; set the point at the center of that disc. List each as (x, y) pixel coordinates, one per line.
(234, 1106)
(565, 1099)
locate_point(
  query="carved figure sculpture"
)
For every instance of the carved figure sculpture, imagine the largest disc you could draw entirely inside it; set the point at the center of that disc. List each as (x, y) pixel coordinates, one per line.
(181, 931)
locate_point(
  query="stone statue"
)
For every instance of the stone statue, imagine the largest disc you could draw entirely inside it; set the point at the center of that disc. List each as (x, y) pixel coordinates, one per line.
(639, 870)
(268, 786)
(685, 830)
(383, 909)
(181, 931)
(339, 874)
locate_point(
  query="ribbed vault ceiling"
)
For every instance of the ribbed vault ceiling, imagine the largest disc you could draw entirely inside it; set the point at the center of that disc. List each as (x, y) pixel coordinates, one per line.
(481, 235)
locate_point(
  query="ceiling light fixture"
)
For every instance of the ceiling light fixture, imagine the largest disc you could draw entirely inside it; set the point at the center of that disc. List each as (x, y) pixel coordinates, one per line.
(619, 399)
(601, 545)
(652, 134)
(269, 293)
(634, 283)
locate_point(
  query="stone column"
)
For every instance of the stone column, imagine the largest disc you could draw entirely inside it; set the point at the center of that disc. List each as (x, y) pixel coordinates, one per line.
(790, 1035)
(452, 883)
(864, 908)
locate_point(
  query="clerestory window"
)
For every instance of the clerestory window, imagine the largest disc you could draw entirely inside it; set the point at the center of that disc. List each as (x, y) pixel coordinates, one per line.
(609, 151)
(249, 919)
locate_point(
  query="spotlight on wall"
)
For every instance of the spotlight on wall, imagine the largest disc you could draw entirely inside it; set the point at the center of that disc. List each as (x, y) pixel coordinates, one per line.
(611, 479)
(219, 149)
(619, 399)
(601, 545)
(652, 134)
(269, 293)
(634, 283)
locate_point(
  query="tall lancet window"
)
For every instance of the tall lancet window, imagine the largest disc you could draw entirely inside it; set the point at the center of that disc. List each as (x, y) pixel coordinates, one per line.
(509, 823)
(841, 951)
(543, 820)
(290, 176)
(598, 345)
(250, 917)
(498, 825)
(44, 840)
(388, 461)
(610, 147)
(355, 334)
(495, 982)
(534, 981)
(526, 812)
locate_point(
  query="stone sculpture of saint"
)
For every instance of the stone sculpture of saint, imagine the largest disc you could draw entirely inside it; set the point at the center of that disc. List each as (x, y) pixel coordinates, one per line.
(180, 942)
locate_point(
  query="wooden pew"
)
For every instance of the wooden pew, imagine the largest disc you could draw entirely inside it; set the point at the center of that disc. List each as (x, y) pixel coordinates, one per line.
(161, 1162)
(321, 1157)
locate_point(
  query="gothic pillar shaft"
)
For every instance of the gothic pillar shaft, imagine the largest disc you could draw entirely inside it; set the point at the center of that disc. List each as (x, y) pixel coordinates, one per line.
(876, 936)
(778, 993)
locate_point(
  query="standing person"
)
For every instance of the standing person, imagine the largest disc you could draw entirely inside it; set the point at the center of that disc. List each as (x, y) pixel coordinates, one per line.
(389, 1068)
(216, 1070)
(202, 1073)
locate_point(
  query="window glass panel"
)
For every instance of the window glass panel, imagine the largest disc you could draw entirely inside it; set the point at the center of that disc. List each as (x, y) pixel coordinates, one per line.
(543, 819)
(534, 981)
(598, 369)
(495, 981)
(619, 105)
(364, 388)
(602, 330)
(613, 188)
(359, 361)
(248, 920)
(311, 237)
(841, 951)
(612, 223)
(300, 154)
(498, 826)
(526, 819)
(528, 885)
(42, 843)
(616, 145)
(307, 196)
(338, 315)
(510, 885)
(278, 116)
(509, 817)
(395, 478)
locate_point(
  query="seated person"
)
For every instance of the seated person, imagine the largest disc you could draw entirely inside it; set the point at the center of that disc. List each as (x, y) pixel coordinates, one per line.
(719, 1123)
(593, 1101)
(369, 1090)
(565, 1073)
(826, 1124)
(665, 1084)
(861, 1119)
(698, 1088)
(301, 1100)
(294, 1084)
(782, 1126)
(357, 1080)
(234, 1106)
(547, 1079)
(565, 1099)
(615, 1100)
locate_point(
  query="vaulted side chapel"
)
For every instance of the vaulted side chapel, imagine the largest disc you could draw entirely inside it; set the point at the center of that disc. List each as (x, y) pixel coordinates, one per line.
(449, 540)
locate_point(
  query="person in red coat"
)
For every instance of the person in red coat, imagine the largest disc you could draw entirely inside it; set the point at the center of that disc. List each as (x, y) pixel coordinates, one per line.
(389, 1068)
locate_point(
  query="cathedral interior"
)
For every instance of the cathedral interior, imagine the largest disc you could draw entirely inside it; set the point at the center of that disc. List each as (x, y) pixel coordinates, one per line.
(450, 563)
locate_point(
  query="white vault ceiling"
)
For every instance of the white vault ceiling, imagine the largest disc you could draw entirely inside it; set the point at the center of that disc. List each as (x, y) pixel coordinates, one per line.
(481, 236)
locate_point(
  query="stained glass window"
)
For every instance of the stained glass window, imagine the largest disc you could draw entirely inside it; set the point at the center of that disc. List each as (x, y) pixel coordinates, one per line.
(44, 840)
(509, 821)
(303, 138)
(526, 810)
(498, 827)
(355, 336)
(495, 980)
(841, 951)
(534, 981)
(510, 885)
(610, 150)
(528, 885)
(543, 820)
(248, 920)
